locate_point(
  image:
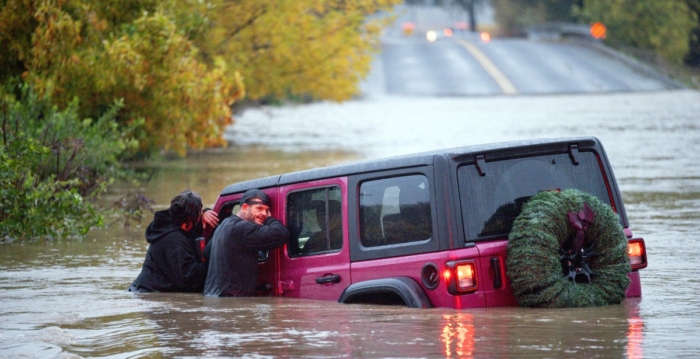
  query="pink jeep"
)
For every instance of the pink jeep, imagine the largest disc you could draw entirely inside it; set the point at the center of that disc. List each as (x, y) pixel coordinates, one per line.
(432, 229)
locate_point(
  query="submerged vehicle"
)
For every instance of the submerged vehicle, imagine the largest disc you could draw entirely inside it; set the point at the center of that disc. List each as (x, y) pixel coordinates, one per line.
(434, 229)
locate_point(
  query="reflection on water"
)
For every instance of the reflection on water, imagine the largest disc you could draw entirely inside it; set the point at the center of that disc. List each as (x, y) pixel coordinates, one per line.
(71, 299)
(635, 334)
(68, 298)
(458, 335)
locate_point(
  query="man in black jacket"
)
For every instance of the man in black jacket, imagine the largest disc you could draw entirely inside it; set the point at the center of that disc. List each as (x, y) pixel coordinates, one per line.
(172, 261)
(233, 260)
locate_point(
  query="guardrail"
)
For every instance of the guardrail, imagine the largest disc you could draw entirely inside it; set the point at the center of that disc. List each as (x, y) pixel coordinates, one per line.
(557, 30)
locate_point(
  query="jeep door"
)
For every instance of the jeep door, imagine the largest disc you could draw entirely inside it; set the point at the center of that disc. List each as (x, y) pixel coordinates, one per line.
(397, 229)
(229, 205)
(316, 262)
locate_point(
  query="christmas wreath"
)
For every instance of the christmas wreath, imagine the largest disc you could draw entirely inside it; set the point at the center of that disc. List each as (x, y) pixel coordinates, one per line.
(567, 249)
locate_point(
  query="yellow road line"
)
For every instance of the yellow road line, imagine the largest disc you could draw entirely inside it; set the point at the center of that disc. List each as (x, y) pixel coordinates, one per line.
(501, 79)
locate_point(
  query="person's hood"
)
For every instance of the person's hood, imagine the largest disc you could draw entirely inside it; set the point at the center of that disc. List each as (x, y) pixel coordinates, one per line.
(162, 225)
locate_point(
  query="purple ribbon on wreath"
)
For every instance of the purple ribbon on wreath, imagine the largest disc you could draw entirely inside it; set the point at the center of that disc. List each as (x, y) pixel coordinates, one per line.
(581, 221)
(575, 261)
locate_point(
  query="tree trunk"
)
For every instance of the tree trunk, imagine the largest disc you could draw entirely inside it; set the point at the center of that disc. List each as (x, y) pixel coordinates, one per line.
(472, 15)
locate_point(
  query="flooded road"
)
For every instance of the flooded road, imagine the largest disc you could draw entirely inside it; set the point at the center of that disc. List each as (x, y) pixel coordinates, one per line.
(68, 299)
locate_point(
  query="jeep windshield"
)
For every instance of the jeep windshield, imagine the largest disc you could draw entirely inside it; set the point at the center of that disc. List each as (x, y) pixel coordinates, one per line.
(491, 202)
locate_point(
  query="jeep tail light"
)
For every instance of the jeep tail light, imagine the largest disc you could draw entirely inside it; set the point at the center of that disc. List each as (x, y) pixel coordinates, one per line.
(461, 277)
(637, 253)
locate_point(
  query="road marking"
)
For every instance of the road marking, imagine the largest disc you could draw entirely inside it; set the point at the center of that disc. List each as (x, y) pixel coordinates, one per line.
(501, 79)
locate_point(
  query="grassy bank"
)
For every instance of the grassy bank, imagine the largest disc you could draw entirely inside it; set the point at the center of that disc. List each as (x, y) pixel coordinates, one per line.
(688, 76)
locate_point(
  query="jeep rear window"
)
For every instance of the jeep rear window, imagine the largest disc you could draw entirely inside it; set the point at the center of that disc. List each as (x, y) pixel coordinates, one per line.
(395, 210)
(490, 203)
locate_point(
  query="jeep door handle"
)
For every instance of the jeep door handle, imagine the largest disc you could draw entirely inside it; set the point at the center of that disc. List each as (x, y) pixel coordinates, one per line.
(331, 278)
(496, 265)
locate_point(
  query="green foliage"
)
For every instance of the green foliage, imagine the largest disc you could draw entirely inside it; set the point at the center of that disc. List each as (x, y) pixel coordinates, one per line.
(693, 56)
(53, 166)
(538, 233)
(661, 26)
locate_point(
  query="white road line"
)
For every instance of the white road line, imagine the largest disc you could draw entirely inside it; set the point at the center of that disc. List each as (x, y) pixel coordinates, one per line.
(501, 79)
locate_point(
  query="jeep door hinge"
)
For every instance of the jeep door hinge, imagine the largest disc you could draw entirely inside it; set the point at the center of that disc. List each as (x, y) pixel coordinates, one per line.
(284, 286)
(480, 163)
(573, 153)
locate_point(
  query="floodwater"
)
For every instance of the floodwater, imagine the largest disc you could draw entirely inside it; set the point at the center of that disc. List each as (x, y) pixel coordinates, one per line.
(68, 299)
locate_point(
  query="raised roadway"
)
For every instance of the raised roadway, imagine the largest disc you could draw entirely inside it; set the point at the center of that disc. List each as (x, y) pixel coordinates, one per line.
(470, 64)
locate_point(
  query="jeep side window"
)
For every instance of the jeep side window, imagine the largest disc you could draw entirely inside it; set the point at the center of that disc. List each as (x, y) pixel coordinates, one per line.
(314, 220)
(395, 210)
(490, 203)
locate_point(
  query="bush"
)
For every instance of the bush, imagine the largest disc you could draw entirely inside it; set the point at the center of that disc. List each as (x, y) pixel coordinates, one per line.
(661, 26)
(54, 166)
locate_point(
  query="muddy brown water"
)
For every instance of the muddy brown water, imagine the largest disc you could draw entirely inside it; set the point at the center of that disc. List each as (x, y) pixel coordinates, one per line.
(68, 299)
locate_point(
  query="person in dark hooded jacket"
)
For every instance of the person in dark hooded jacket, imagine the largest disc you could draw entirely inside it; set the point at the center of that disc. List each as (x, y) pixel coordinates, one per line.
(173, 261)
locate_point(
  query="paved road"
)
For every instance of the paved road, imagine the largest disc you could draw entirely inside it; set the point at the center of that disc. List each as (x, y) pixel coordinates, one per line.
(465, 65)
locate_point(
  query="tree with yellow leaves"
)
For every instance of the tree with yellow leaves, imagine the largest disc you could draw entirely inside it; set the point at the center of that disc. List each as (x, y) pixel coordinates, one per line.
(180, 64)
(84, 83)
(315, 48)
(101, 52)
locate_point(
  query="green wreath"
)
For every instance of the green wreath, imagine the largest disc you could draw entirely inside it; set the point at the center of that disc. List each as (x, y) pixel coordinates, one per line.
(567, 249)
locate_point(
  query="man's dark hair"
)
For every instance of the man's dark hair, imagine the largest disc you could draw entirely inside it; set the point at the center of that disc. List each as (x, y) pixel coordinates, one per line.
(186, 207)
